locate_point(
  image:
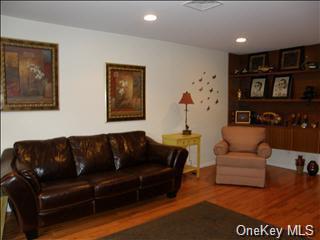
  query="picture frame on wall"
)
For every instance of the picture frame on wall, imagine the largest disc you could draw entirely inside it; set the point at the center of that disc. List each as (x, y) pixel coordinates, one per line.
(291, 59)
(125, 90)
(29, 75)
(258, 87)
(243, 117)
(282, 86)
(257, 60)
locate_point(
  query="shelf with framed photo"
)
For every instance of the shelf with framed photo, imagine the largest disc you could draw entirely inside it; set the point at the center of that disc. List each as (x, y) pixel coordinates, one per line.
(291, 87)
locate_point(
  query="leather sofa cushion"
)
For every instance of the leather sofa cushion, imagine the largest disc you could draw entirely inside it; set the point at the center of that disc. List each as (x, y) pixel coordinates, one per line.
(57, 194)
(243, 139)
(91, 154)
(128, 148)
(49, 159)
(112, 183)
(241, 160)
(151, 173)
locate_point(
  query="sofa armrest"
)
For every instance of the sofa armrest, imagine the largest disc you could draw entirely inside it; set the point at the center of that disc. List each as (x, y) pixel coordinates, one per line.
(171, 156)
(24, 205)
(221, 148)
(264, 150)
(9, 163)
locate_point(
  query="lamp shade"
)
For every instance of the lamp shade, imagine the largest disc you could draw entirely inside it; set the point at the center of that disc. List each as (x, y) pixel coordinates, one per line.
(186, 98)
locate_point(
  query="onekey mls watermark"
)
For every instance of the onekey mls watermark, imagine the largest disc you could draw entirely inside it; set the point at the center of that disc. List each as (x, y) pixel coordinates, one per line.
(268, 230)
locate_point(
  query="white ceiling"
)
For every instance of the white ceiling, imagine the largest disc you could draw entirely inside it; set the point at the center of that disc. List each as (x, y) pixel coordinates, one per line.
(266, 24)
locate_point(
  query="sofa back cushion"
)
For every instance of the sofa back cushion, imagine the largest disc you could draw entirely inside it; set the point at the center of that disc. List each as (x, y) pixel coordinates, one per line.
(91, 154)
(128, 148)
(243, 139)
(49, 159)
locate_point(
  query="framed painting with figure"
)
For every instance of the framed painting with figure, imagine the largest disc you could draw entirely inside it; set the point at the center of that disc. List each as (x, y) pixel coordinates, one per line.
(256, 61)
(281, 86)
(29, 75)
(291, 58)
(258, 87)
(125, 92)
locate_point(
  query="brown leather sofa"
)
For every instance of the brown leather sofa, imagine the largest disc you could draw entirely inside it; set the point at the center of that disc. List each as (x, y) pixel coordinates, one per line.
(64, 178)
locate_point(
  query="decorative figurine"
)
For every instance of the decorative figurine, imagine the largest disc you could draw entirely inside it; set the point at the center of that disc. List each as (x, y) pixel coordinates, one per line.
(304, 122)
(314, 124)
(300, 164)
(239, 93)
(293, 119)
(312, 168)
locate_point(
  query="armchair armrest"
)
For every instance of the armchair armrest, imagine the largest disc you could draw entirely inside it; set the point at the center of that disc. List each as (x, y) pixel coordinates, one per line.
(264, 150)
(221, 148)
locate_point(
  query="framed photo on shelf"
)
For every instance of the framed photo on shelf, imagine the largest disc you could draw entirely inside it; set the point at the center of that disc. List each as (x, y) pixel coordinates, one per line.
(242, 117)
(258, 87)
(282, 86)
(257, 60)
(125, 91)
(29, 75)
(291, 59)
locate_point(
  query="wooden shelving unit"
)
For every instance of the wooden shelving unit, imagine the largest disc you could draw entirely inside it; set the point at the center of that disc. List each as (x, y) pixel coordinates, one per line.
(283, 136)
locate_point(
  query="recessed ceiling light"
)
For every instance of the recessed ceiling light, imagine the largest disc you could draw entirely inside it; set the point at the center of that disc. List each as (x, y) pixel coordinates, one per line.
(150, 17)
(241, 40)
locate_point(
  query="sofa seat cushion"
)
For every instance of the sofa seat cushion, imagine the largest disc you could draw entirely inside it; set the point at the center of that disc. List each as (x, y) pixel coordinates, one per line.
(241, 160)
(112, 183)
(151, 173)
(58, 194)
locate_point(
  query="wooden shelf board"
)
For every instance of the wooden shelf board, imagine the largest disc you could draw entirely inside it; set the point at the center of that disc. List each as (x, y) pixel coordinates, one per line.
(260, 74)
(287, 100)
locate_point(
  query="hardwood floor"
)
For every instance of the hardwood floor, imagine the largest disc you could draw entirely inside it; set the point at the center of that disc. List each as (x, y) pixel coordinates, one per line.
(288, 199)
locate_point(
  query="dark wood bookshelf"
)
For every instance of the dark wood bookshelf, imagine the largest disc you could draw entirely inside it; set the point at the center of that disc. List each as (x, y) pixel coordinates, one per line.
(280, 137)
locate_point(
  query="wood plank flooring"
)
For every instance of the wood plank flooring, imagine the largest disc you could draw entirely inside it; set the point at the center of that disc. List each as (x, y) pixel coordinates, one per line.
(288, 199)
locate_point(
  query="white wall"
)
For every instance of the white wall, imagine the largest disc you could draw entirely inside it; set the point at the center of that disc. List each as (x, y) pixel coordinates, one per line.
(170, 70)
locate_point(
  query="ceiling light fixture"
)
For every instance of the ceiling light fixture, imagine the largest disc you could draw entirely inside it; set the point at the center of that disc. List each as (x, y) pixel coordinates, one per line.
(150, 17)
(241, 40)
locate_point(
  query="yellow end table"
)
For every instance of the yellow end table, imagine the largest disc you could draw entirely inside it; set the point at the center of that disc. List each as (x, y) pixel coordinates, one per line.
(178, 139)
(3, 200)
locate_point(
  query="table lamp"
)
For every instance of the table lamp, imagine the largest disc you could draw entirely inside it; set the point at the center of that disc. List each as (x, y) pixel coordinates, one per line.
(186, 99)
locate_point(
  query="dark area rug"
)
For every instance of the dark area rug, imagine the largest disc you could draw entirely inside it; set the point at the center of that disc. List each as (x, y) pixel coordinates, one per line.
(203, 221)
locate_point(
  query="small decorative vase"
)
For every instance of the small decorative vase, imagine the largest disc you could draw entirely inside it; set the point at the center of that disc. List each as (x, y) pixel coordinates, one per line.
(312, 168)
(300, 164)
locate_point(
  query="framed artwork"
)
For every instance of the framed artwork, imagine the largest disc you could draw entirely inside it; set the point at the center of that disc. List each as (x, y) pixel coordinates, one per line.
(243, 117)
(29, 75)
(281, 86)
(256, 60)
(291, 59)
(125, 92)
(258, 87)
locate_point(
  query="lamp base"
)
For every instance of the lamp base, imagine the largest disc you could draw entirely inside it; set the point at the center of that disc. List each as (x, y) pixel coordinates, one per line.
(186, 132)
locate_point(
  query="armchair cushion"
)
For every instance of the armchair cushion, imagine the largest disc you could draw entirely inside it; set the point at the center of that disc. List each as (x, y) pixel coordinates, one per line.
(243, 139)
(264, 150)
(49, 159)
(91, 154)
(128, 148)
(221, 148)
(241, 160)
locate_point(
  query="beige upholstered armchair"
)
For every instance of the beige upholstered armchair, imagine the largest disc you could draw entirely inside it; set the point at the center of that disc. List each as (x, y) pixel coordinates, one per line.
(241, 156)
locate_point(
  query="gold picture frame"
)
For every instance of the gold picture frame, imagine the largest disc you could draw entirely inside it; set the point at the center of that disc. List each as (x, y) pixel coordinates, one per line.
(125, 90)
(29, 75)
(243, 117)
